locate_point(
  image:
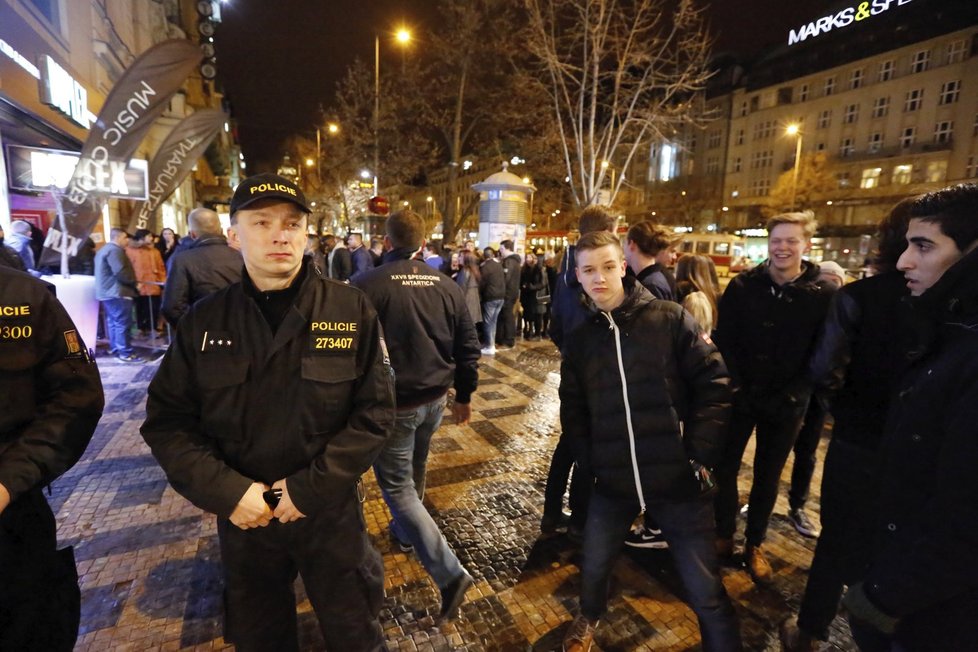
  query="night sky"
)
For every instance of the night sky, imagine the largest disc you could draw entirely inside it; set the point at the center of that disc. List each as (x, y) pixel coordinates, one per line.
(279, 60)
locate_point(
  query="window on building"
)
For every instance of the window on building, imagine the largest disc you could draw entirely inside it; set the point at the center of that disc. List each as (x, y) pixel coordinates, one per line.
(919, 61)
(737, 164)
(714, 139)
(902, 174)
(943, 131)
(974, 131)
(971, 171)
(760, 187)
(908, 136)
(950, 91)
(843, 179)
(852, 114)
(743, 108)
(820, 147)
(803, 93)
(739, 140)
(50, 9)
(846, 148)
(886, 70)
(755, 103)
(936, 171)
(712, 165)
(784, 95)
(956, 50)
(881, 107)
(761, 159)
(829, 87)
(875, 142)
(855, 78)
(871, 178)
(825, 119)
(914, 99)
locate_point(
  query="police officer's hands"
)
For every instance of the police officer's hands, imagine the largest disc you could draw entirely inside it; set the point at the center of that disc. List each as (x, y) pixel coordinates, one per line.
(462, 412)
(252, 510)
(4, 498)
(286, 510)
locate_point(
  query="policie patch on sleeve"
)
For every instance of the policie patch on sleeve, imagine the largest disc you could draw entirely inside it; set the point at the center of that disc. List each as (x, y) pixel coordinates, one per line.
(333, 337)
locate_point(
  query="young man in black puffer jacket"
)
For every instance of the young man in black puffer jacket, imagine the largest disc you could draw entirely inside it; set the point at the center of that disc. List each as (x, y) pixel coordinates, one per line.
(769, 320)
(644, 401)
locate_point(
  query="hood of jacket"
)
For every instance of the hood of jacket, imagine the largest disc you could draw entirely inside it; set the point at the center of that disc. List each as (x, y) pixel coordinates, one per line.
(636, 298)
(762, 273)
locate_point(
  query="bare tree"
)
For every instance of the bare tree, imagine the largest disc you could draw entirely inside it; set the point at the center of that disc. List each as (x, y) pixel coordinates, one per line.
(815, 184)
(619, 72)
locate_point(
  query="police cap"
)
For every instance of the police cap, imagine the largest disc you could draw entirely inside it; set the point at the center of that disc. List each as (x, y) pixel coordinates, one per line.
(264, 186)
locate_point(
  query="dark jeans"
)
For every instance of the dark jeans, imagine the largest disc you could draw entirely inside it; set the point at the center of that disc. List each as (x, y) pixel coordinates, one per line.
(843, 547)
(688, 527)
(561, 464)
(506, 327)
(490, 314)
(342, 573)
(118, 321)
(806, 446)
(147, 312)
(776, 433)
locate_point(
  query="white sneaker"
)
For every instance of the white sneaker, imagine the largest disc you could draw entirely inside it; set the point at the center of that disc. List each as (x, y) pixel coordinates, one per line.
(489, 350)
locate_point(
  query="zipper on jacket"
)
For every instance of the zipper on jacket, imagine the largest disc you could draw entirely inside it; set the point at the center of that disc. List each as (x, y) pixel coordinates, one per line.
(628, 410)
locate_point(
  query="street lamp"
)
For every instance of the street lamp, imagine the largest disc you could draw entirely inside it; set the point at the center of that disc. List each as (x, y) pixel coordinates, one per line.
(403, 36)
(795, 130)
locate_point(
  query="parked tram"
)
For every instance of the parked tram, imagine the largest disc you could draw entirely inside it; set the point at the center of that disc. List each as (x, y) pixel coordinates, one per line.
(728, 251)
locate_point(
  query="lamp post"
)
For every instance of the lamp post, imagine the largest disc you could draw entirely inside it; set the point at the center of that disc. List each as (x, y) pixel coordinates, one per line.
(794, 130)
(403, 36)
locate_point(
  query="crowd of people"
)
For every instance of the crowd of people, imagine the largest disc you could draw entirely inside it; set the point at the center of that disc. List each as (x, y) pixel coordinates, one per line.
(664, 380)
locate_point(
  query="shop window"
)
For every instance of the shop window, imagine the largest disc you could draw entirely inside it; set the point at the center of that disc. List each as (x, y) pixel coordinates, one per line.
(936, 171)
(871, 178)
(902, 174)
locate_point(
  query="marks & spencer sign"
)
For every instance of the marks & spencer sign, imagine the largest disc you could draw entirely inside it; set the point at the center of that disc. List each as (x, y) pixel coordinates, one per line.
(854, 14)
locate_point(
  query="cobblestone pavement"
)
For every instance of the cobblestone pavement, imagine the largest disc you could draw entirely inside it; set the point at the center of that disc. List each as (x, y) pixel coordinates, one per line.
(149, 569)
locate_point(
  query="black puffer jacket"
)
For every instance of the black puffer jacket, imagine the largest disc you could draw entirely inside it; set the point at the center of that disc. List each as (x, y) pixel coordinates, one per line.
(924, 569)
(860, 353)
(678, 397)
(767, 333)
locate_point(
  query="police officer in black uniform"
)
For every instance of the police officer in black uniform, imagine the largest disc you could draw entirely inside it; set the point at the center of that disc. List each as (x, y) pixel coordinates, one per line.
(50, 402)
(275, 397)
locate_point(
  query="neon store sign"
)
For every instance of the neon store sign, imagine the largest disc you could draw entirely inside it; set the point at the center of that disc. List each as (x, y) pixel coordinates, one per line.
(844, 18)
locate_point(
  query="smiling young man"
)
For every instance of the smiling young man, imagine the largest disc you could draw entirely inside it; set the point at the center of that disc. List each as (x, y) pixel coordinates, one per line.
(769, 318)
(920, 591)
(275, 397)
(644, 398)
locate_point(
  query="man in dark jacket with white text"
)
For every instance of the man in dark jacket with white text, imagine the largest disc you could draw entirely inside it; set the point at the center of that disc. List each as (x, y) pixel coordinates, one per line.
(433, 347)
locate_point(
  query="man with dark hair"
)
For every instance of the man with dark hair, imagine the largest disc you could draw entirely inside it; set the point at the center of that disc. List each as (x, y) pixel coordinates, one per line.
(858, 358)
(650, 252)
(512, 266)
(376, 250)
(433, 347)
(492, 293)
(115, 287)
(202, 269)
(50, 402)
(339, 265)
(769, 318)
(431, 256)
(920, 591)
(567, 313)
(20, 241)
(359, 254)
(644, 397)
(274, 398)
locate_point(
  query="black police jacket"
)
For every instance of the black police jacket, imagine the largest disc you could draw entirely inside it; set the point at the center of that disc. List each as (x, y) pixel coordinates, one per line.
(193, 273)
(50, 392)
(430, 334)
(767, 334)
(232, 403)
(923, 570)
(678, 398)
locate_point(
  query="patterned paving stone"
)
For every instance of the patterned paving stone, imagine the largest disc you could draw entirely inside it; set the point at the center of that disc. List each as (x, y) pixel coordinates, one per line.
(149, 562)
